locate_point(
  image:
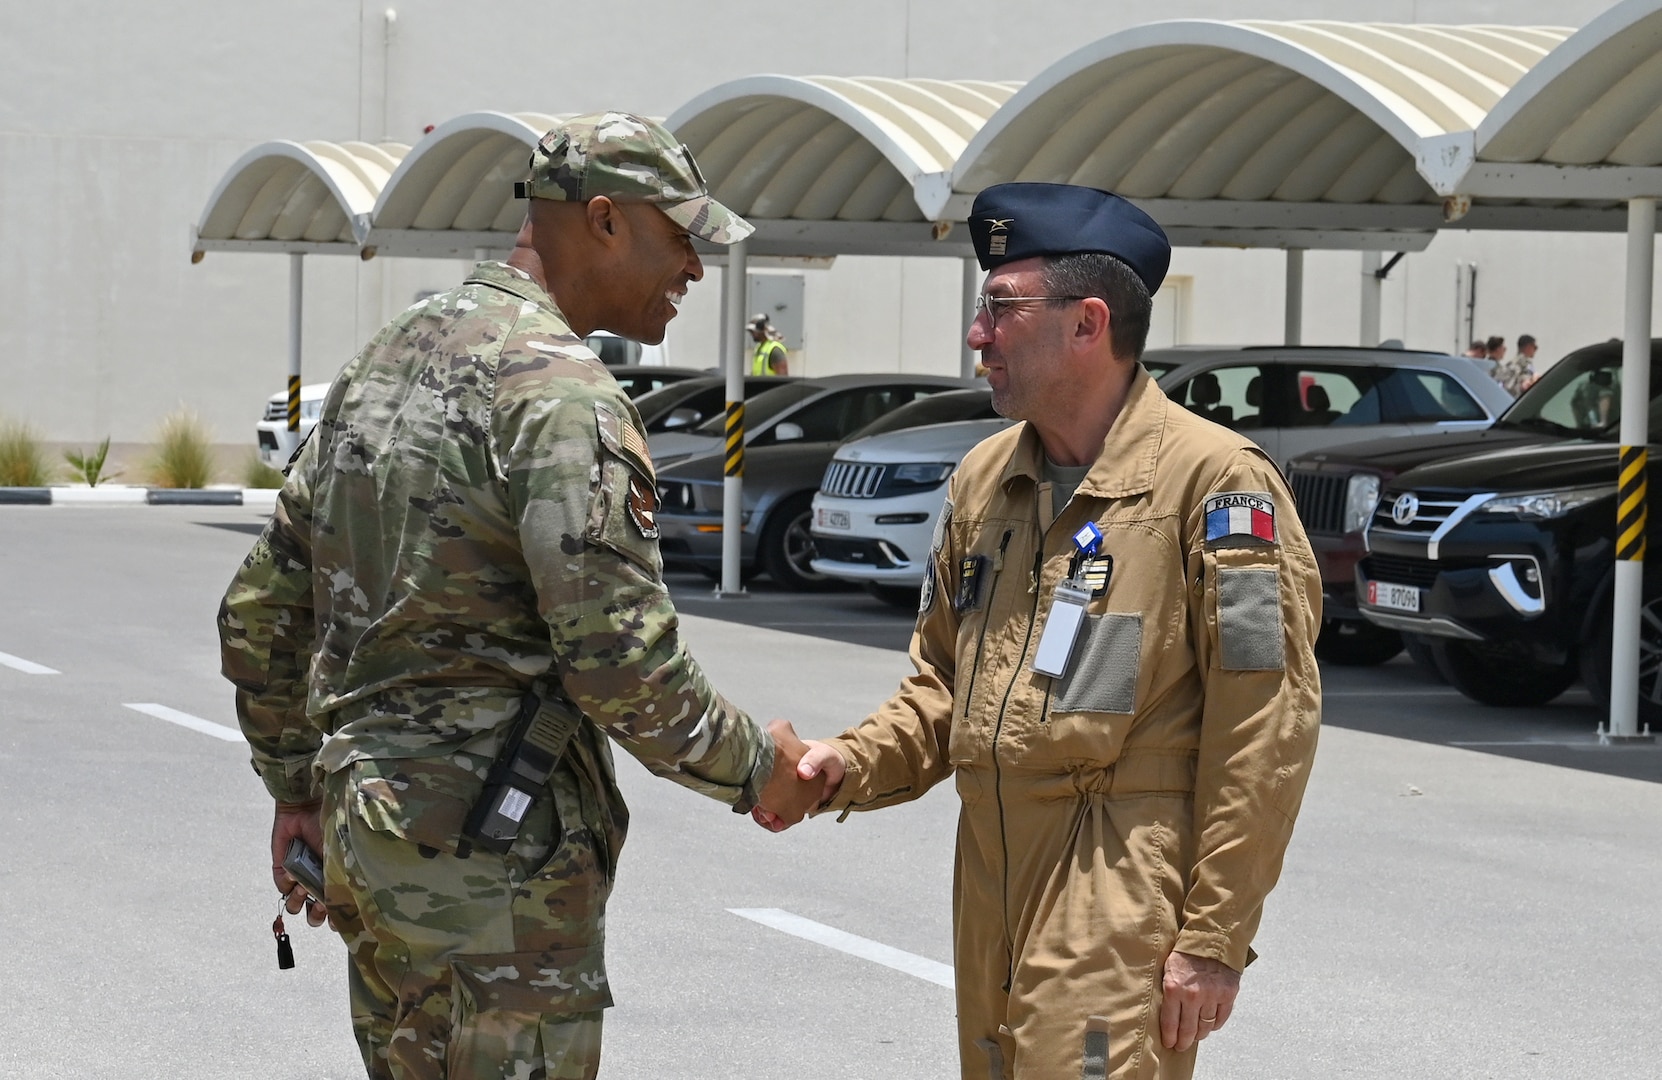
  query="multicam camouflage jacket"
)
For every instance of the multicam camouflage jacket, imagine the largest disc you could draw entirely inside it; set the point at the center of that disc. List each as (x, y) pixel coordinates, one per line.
(472, 519)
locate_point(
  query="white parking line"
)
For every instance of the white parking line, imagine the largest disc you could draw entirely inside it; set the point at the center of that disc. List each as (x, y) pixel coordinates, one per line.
(866, 949)
(28, 667)
(195, 723)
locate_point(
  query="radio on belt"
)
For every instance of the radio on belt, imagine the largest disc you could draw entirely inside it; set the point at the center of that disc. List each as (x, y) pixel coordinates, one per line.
(1067, 608)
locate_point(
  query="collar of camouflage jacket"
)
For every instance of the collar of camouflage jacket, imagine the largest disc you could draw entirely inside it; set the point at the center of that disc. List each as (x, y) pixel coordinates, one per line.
(1129, 453)
(511, 279)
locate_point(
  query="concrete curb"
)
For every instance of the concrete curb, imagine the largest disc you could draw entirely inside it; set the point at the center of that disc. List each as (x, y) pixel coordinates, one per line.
(125, 495)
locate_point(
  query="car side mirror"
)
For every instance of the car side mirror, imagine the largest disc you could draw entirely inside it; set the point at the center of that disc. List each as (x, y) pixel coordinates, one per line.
(787, 431)
(680, 418)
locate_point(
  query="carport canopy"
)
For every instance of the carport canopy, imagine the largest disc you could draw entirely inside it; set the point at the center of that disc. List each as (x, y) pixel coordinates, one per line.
(453, 195)
(297, 197)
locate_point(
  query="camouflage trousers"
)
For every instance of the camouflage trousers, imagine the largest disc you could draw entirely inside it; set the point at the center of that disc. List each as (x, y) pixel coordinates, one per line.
(466, 969)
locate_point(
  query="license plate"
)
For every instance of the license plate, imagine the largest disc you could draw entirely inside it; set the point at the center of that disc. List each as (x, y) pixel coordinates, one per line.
(832, 519)
(1397, 597)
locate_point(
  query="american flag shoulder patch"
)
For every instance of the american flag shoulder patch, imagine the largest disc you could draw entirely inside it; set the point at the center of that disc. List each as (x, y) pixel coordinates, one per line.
(1240, 517)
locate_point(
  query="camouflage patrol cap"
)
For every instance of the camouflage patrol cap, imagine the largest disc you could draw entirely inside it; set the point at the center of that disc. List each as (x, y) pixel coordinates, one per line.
(632, 159)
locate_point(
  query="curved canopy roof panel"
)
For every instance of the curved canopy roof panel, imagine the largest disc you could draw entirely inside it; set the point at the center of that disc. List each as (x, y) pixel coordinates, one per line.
(456, 188)
(1252, 111)
(1595, 101)
(780, 147)
(297, 196)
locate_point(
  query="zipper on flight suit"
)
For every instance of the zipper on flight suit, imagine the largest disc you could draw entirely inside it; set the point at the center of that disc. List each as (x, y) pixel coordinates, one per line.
(981, 640)
(998, 774)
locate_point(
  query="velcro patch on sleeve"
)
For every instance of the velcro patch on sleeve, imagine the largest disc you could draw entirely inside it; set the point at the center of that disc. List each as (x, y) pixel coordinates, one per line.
(1249, 619)
(619, 435)
(1236, 518)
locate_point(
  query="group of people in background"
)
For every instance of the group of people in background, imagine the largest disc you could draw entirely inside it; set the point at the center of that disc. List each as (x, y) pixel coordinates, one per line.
(1516, 373)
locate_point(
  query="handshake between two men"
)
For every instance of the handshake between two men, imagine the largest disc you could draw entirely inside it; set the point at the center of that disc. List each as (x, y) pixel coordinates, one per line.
(806, 775)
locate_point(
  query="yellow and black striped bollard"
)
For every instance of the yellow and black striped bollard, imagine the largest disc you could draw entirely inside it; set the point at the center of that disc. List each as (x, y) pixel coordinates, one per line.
(294, 403)
(1630, 505)
(734, 462)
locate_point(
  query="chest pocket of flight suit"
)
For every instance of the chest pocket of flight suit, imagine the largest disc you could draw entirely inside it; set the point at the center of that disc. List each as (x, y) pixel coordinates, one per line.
(1103, 675)
(623, 514)
(1129, 631)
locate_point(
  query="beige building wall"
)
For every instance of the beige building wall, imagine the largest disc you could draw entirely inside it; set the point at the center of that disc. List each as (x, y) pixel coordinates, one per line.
(117, 121)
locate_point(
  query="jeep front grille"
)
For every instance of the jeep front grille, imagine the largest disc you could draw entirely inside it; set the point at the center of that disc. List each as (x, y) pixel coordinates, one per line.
(852, 480)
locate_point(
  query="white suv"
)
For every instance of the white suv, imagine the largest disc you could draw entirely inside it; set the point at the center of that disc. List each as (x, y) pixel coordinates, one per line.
(277, 443)
(874, 516)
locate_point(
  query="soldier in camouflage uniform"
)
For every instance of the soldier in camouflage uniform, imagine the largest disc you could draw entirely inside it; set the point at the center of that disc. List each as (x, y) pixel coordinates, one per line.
(473, 521)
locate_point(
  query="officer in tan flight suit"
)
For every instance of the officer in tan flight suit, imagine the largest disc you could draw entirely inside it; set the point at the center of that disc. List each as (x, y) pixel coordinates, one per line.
(1114, 663)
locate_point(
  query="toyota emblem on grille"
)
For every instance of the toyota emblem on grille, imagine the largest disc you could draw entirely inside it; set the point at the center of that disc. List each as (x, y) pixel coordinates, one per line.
(1404, 509)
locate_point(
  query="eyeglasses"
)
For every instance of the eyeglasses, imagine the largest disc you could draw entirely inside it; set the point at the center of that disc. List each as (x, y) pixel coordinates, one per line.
(991, 304)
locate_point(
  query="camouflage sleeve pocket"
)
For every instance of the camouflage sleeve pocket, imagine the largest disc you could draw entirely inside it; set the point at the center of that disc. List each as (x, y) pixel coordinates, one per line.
(623, 516)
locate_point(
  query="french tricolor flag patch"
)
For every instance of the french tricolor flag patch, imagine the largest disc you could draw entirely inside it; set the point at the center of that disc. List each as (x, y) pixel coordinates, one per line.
(1247, 515)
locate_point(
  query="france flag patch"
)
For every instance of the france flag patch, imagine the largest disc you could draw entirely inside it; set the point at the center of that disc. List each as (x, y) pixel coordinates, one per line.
(1244, 515)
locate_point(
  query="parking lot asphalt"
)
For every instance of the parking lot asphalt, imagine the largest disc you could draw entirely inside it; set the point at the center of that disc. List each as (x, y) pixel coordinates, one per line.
(1468, 892)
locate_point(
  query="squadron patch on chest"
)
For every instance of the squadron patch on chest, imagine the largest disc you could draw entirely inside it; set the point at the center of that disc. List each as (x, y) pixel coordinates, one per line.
(1240, 518)
(643, 506)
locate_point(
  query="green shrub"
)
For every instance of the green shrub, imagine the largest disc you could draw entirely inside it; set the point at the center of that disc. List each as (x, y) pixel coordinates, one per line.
(183, 457)
(89, 468)
(22, 462)
(257, 474)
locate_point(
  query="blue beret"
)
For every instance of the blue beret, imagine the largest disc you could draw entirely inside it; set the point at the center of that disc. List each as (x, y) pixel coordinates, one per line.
(1018, 221)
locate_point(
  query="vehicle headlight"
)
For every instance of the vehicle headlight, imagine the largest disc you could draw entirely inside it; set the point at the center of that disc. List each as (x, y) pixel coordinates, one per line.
(676, 497)
(917, 476)
(1361, 496)
(311, 410)
(1542, 505)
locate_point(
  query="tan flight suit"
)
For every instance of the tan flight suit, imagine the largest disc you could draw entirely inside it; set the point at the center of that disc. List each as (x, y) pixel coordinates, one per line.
(1143, 801)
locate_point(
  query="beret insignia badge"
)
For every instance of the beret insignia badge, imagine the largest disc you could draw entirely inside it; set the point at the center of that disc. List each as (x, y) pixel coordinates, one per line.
(996, 244)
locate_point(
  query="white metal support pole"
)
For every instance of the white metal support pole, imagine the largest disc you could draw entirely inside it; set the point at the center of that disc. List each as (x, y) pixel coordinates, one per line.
(1372, 287)
(297, 289)
(972, 287)
(734, 282)
(1635, 433)
(1294, 333)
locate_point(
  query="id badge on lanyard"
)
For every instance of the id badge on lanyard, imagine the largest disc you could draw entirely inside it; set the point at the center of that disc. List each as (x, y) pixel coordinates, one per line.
(1068, 602)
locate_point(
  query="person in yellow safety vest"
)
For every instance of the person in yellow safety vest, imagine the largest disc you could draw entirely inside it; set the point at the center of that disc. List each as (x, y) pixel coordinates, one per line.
(770, 357)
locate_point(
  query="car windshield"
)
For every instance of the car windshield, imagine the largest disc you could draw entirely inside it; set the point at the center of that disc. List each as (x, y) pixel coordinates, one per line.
(935, 409)
(762, 408)
(1580, 395)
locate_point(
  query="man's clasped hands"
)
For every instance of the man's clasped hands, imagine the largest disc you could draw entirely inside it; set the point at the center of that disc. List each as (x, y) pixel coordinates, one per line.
(806, 775)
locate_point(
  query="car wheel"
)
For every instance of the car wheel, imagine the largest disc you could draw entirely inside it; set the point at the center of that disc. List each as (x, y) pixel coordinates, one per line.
(1595, 661)
(1418, 648)
(1352, 643)
(787, 546)
(1493, 679)
(900, 596)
